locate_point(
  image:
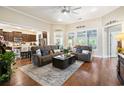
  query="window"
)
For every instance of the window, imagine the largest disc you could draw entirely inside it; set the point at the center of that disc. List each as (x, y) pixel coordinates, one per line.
(58, 38)
(92, 38)
(81, 38)
(71, 39)
(87, 37)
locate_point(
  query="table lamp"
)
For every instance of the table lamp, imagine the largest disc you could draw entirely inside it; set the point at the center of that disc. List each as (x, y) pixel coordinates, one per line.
(120, 38)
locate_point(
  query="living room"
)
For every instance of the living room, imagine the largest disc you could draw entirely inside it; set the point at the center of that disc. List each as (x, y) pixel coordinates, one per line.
(67, 45)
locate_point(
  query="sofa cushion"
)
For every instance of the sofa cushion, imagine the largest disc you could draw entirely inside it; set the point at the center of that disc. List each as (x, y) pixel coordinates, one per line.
(44, 52)
(74, 49)
(78, 50)
(85, 51)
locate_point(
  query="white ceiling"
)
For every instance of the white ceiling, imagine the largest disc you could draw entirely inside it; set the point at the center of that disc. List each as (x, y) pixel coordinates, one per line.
(52, 14)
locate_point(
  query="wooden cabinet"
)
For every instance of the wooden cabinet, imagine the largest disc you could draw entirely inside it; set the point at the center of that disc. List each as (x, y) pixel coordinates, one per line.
(28, 38)
(32, 38)
(17, 34)
(8, 36)
(11, 38)
(24, 37)
(120, 68)
(5, 34)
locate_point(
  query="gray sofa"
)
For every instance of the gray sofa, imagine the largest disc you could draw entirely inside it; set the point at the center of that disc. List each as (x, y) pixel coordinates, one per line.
(83, 56)
(39, 60)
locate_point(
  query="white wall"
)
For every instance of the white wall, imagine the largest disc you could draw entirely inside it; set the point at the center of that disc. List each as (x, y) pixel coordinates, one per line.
(56, 28)
(90, 24)
(118, 15)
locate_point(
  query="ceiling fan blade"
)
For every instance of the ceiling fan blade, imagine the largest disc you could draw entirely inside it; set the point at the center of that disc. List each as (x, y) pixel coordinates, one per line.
(77, 8)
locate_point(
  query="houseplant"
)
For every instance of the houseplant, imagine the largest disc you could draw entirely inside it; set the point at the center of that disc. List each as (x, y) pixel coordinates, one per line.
(6, 61)
(66, 51)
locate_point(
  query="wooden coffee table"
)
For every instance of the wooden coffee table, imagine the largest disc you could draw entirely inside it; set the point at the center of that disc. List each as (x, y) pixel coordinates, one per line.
(62, 61)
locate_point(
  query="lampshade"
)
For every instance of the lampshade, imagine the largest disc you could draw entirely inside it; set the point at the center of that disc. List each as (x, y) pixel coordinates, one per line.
(120, 36)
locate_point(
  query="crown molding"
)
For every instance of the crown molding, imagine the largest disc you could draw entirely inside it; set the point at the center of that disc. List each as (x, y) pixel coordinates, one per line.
(26, 14)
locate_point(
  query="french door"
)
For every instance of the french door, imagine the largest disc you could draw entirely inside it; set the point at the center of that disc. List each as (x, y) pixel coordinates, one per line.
(112, 42)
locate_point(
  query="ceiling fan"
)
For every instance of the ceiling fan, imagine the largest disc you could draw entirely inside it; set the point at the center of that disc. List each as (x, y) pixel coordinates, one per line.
(69, 9)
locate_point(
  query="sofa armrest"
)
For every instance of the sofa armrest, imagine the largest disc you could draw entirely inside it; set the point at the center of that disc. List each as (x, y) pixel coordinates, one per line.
(84, 57)
(41, 60)
(36, 59)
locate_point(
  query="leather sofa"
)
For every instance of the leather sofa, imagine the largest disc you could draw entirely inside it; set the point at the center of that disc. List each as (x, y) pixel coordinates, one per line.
(83, 56)
(39, 60)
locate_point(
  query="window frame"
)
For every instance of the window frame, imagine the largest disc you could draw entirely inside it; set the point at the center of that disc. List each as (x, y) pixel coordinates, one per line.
(86, 29)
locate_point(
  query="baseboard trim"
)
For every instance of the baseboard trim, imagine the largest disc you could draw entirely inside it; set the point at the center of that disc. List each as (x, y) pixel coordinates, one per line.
(100, 56)
(97, 56)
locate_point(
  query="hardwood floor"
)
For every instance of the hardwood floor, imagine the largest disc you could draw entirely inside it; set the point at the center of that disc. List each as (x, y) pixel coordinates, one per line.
(98, 72)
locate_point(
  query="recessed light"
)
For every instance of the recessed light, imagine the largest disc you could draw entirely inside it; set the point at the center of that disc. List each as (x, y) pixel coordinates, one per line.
(93, 9)
(59, 19)
(64, 13)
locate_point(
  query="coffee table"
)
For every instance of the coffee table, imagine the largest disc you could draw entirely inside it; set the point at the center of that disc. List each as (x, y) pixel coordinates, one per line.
(62, 61)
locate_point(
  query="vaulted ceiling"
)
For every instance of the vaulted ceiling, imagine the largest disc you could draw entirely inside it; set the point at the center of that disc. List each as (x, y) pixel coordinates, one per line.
(55, 14)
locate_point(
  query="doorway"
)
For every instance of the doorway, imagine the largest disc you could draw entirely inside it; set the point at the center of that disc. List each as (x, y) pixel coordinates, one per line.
(112, 31)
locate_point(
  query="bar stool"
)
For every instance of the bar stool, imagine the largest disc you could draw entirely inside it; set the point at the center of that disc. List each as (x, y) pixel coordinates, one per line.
(24, 52)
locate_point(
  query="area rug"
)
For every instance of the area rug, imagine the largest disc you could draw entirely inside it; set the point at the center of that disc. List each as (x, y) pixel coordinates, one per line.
(48, 75)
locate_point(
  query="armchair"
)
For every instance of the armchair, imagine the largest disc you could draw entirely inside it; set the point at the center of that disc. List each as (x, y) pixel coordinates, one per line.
(83, 56)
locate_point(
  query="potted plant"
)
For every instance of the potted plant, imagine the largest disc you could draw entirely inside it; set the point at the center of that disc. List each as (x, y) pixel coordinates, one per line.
(6, 61)
(66, 51)
(120, 50)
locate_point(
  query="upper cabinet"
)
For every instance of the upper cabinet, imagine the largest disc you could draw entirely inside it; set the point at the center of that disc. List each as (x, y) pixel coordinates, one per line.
(28, 37)
(14, 36)
(17, 34)
(8, 36)
(25, 37)
(32, 38)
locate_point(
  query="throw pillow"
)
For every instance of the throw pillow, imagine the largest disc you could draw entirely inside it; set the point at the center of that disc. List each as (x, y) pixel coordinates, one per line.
(85, 51)
(74, 50)
(38, 52)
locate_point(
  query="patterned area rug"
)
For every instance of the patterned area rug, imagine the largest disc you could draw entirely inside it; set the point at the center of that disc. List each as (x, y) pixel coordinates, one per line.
(48, 75)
